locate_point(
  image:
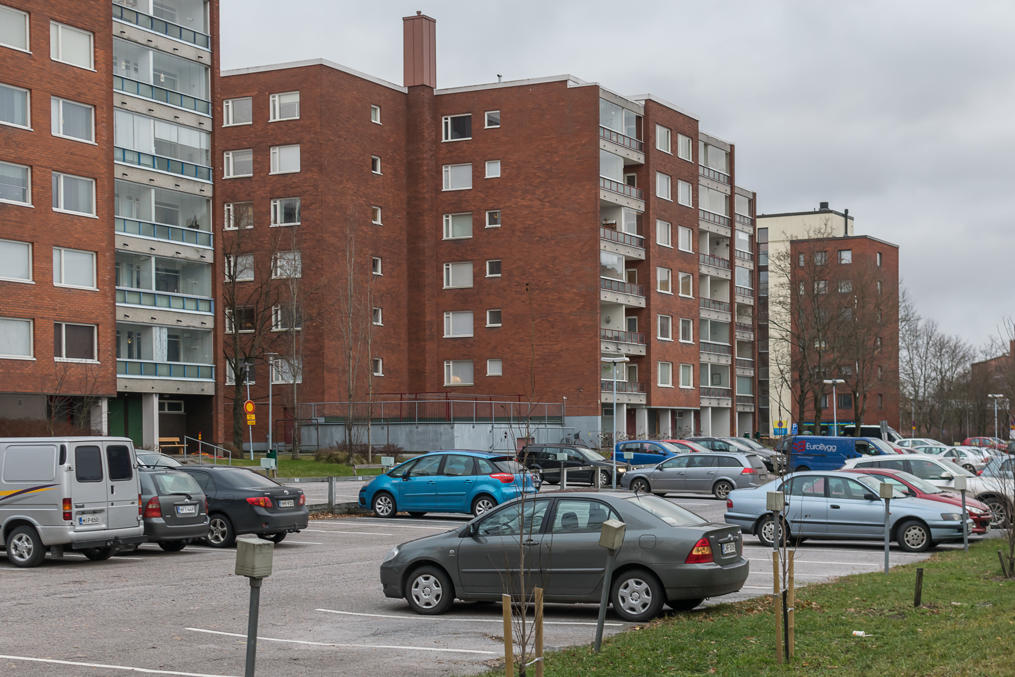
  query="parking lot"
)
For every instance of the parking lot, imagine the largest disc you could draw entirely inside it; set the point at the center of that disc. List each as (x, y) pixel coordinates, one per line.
(322, 612)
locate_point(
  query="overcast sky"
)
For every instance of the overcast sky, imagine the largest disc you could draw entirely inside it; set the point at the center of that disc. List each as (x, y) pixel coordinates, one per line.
(901, 112)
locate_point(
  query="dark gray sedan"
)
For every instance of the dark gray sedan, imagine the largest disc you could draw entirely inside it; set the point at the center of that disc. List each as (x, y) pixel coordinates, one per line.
(712, 473)
(669, 556)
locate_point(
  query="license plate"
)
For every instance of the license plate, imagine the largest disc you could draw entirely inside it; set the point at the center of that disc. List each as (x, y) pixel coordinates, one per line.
(286, 503)
(729, 548)
(186, 510)
(85, 520)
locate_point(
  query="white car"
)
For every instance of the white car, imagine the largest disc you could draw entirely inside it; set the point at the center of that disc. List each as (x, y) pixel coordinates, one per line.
(942, 473)
(919, 442)
(973, 459)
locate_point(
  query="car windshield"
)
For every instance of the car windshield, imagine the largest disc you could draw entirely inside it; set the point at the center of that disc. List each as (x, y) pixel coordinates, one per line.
(956, 470)
(921, 484)
(246, 479)
(176, 483)
(589, 454)
(672, 448)
(874, 483)
(158, 459)
(671, 513)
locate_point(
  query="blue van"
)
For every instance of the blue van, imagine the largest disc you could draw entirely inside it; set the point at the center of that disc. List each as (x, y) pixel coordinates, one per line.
(645, 452)
(811, 452)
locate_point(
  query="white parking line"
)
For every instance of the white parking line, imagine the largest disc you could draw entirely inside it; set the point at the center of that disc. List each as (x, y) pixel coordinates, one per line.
(348, 645)
(455, 618)
(304, 542)
(334, 531)
(390, 525)
(103, 666)
(811, 561)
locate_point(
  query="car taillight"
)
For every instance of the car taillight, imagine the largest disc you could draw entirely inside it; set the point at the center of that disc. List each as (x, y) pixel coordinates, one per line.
(303, 499)
(206, 505)
(701, 553)
(980, 471)
(139, 509)
(729, 503)
(503, 477)
(260, 501)
(747, 471)
(154, 508)
(67, 515)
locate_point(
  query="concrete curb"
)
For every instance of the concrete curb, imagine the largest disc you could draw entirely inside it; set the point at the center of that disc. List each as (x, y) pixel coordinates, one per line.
(351, 508)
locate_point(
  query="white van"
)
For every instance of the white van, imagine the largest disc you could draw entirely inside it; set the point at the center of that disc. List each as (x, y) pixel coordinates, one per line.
(68, 493)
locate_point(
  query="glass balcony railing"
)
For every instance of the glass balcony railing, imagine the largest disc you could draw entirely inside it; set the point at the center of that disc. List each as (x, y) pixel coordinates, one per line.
(622, 386)
(713, 304)
(161, 94)
(622, 287)
(161, 26)
(179, 370)
(621, 139)
(159, 231)
(635, 337)
(621, 237)
(714, 261)
(162, 164)
(744, 256)
(716, 348)
(165, 300)
(620, 188)
(744, 220)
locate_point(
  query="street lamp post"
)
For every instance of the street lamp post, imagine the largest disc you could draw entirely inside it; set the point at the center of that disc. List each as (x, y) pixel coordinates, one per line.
(270, 357)
(615, 361)
(995, 397)
(250, 429)
(835, 403)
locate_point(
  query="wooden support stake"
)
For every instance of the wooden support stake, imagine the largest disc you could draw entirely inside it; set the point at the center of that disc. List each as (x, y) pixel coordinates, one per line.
(918, 593)
(1004, 567)
(509, 654)
(539, 632)
(791, 626)
(777, 598)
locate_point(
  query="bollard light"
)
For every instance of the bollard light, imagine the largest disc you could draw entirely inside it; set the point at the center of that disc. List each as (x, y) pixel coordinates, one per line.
(611, 537)
(960, 485)
(885, 491)
(253, 560)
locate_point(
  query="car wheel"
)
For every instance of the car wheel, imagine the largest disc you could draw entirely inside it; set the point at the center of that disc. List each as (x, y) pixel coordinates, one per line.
(25, 548)
(637, 596)
(220, 532)
(970, 467)
(276, 537)
(722, 489)
(172, 546)
(604, 479)
(640, 486)
(384, 504)
(913, 536)
(416, 514)
(998, 511)
(97, 554)
(683, 604)
(428, 591)
(768, 531)
(482, 504)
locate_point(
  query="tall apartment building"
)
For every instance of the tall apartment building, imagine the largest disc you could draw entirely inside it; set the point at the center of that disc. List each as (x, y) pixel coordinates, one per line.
(105, 226)
(828, 309)
(381, 239)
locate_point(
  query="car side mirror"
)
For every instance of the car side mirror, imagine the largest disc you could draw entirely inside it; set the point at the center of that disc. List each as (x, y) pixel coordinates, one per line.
(870, 497)
(948, 476)
(468, 531)
(405, 477)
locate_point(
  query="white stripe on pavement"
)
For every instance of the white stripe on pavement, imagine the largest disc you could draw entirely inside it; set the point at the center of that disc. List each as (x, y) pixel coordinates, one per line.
(811, 561)
(334, 531)
(454, 618)
(348, 645)
(103, 666)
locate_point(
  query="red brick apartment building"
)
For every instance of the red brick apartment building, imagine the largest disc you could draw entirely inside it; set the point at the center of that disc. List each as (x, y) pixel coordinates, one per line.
(107, 310)
(431, 240)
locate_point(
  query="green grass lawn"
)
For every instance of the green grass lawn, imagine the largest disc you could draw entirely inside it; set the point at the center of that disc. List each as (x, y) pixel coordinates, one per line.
(303, 467)
(963, 628)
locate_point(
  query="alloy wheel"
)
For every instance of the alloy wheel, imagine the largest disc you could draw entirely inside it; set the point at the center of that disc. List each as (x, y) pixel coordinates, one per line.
(427, 591)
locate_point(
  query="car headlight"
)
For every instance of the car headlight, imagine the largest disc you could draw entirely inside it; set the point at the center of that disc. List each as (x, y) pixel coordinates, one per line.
(951, 516)
(392, 554)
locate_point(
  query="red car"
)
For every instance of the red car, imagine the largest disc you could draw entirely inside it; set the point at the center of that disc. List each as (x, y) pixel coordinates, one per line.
(989, 442)
(915, 487)
(687, 445)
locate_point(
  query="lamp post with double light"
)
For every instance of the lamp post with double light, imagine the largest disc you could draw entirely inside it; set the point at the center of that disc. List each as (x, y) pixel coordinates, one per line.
(615, 361)
(995, 397)
(270, 359)
(835, 403)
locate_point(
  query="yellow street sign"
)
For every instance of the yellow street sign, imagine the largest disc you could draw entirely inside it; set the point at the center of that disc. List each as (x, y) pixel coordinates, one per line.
(251, 419)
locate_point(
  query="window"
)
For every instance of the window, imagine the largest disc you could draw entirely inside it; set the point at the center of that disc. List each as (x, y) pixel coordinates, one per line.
(494, 367)
(15, 335)
(742, 277)
(238, 215)
(375, 164)
(685, 148)
(378, 366)
(458, 275)
(513, 521)
(286, 370)
(493, 169)
(801, 260)
(663, 186)
(845, 256)
(686, 285)
(881, 401)
(879, 259)
(664, 234)
(845, 401)
(662, 139)
(74, 341)
(820, 258)
(458, 177)
(665, 373)
(70, 45)
(458, 372)
(820, 286)
(285, 211)
(664, 280)
(457, 226)
(877, 284)
(458, 324)
(714, 201)
(73, 268)
(375, 114)
(15, 261)
(375, 215)
(745, 385)
(240, 320)
(664, 328)
(742, 241)
(845, 286)
(284, 106)
(631, 322)
(239, 268)
(491, 119)
(14, 102)
(286, 317)
(375, 265)
(493, 317)
(685, 239)
(686, 330)
(493, 218)
(13, 29)
(237, 163)
(238, 111)
(686, 375)
(286, 265)
(246, 372)
(285, 159)
(378, 316)
(457, 127)
(877, 344)
(74, 194)
(742, 205)
(493, 268)
(684, 195)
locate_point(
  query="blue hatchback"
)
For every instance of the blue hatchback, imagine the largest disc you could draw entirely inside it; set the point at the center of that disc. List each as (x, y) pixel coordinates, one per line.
(645, 452)
(447, 481)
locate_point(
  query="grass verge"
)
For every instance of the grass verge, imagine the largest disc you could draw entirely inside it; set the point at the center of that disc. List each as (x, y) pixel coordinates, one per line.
(962, 628)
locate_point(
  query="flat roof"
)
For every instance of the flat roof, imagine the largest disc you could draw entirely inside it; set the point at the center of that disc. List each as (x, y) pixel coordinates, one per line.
(313, 62)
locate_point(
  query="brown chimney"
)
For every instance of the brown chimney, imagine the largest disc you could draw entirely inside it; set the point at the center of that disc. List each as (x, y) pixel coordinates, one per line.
(419, 50)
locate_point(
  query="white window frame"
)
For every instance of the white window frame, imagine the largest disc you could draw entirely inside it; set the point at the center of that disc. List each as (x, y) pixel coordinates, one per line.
(375, 165)
(275, 108)
(449, 323)
(28, 109)
(94, 359)
(449, 222)
(848, 256)
(61, 250)
(492, 169)
(292, 269)
(689, 323)
(486, 119)
(230, 317)
(820, 287)
(56, 119)
(28, 36)
(56, 30)
(31, 339)
(233, 267)
(664, 139)
(490, 322)
(495, 362)
(690, 193)
(878, 259)
(845, 286)
(375, 114)
(680, 278)
(664, 369)
(291, 366)
(227, 112)
(377, 316)
(28, 186)
(687, 369)
(377, 367)
(376, 214)
(277, 318)
(667, 322)
(58, 194)
(227, 163)
(664, 280)
(31, 268)
(449, 373)
(664, 186)
(664, 233)
(275, 154)
(681, 146)
(499, 261)
(488, 213)
(446, 172)
(449, 275)
(276, 212)
(446, 127)
(229, 217)
(681, 232)
(376, 266)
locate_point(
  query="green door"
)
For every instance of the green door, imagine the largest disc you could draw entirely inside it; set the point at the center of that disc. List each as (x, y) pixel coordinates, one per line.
(125, 417)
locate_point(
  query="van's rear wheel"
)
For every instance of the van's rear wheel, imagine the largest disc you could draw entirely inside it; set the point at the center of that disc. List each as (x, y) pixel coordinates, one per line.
(97, 554)
(25, 548)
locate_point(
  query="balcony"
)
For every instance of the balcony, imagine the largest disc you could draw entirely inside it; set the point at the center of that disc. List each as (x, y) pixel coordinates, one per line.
(626, 342)
(746, 221)
(161, 95)
(174, 370)
(745, 403)
(622, 194)
(626, 244)
(716, 353)
(161, 26)
(745, 259)
(615, 291)
(745, 331)
(161, 164)
(745, 366)
(621, 139)
(628, 392)
(713, 174)
(744, 295)
(711, 309)
(714, 223)
(715, 266)
(715, 397)
(159, 231)
(164, 300)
